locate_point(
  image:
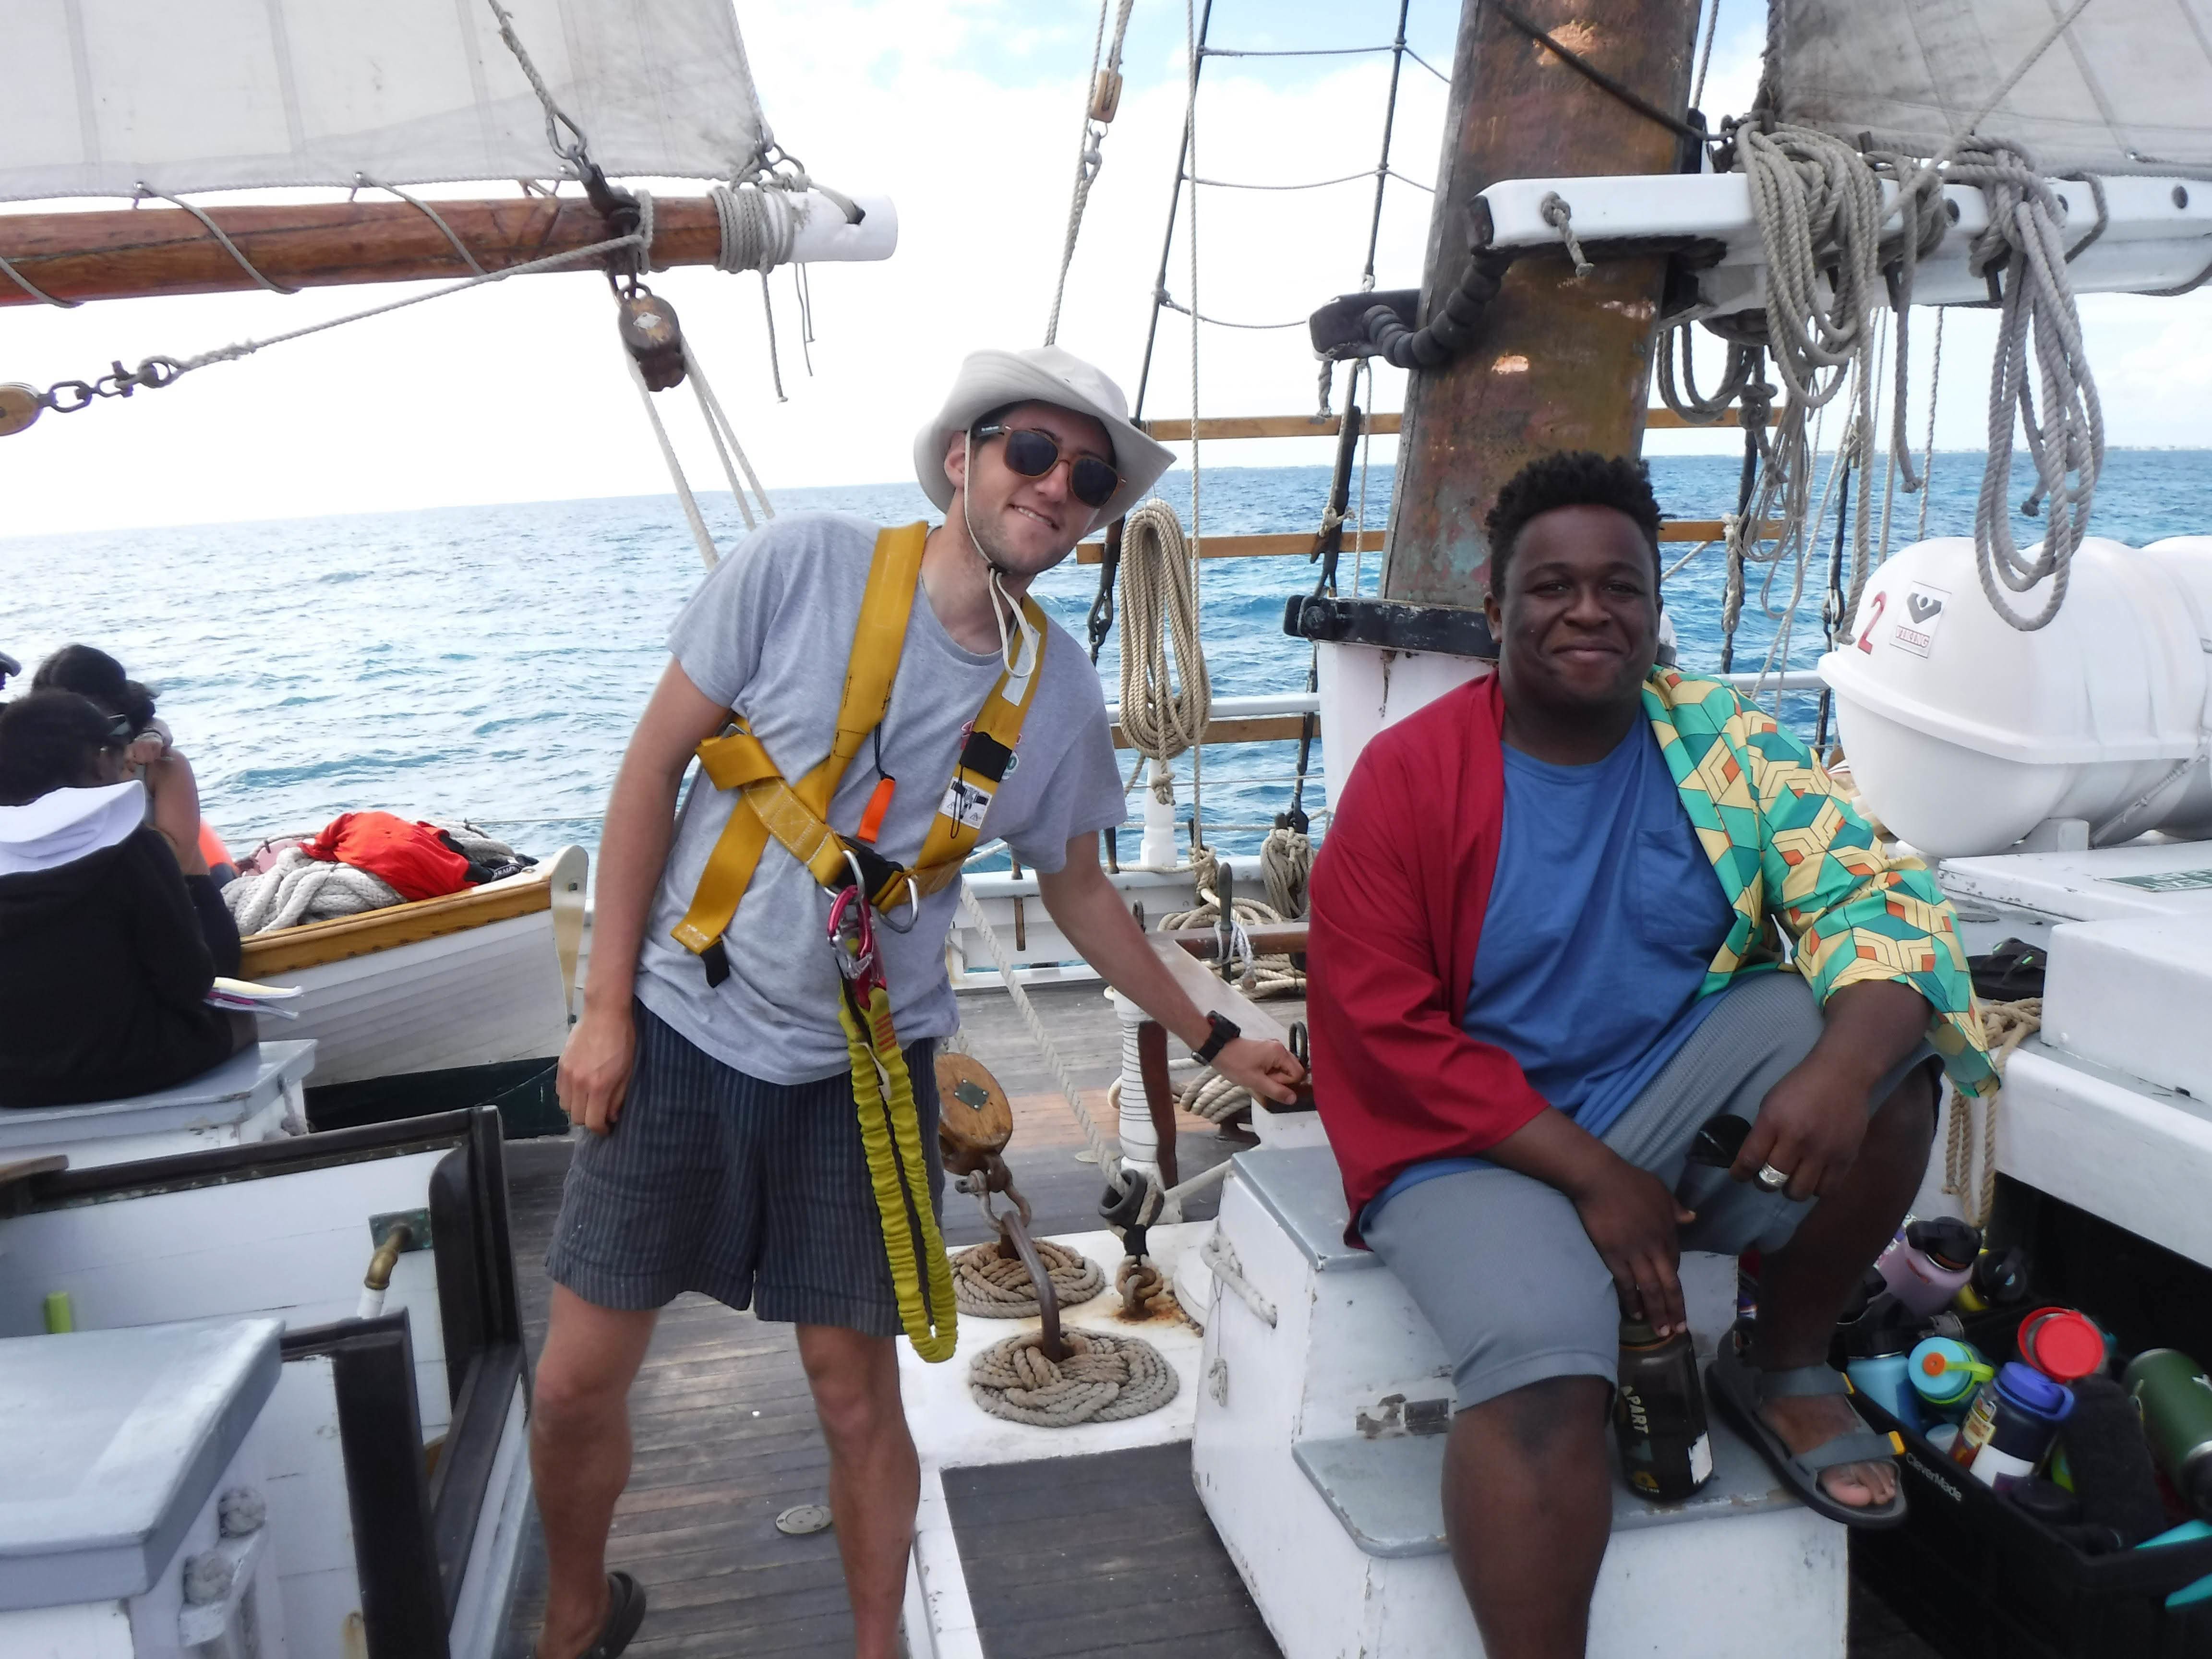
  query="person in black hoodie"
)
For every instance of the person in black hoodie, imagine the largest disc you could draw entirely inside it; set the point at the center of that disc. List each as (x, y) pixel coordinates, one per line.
(110, 930)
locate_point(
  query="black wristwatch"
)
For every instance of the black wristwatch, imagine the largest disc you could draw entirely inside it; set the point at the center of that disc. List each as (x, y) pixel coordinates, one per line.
(1225, 1032)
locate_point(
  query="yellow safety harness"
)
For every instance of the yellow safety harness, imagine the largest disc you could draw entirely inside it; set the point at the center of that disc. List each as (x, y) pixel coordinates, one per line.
(862, 880)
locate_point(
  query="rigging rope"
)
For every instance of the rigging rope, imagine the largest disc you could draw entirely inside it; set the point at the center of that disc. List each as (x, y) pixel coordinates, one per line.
(1160, 642)
(1102, 96)
(2007, 1025)
(2066, 437)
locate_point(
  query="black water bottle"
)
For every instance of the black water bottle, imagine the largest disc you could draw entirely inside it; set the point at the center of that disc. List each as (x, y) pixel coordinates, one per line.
(1659, 1415)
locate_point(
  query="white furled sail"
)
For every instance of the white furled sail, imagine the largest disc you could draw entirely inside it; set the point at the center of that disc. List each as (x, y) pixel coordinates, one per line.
(2127, 89)
(99, 97)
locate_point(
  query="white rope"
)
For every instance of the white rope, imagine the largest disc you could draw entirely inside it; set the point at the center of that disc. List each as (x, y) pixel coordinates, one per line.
(2066, 437)
(361, 181)
(1166, 691)
(1196, 653)
(708, 553)
(1090, 152)
(147, 193)
(1819, 207)
(1928, 457)
(758, 227)
(1285, 866)
(726, 447)
(1220, 1259)
(1101, 1149)
(1161, 1206)
(1706, 57)
(34, 290)
(233, 352)
(297, 889)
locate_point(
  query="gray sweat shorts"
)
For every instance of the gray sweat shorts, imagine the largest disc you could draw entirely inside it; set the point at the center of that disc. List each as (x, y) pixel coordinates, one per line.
(752, 1193)
(1498, 1262)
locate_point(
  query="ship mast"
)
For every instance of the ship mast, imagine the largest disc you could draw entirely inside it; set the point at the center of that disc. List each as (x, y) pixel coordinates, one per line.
(1564, 361)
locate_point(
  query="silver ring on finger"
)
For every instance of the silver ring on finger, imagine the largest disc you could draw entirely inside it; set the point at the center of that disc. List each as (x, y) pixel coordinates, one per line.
(1770, 1179)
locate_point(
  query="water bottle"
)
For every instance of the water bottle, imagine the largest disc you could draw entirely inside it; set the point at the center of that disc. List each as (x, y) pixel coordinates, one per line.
(1925, 1267)
(2174, 1396)
(1659, 1415)
(2065, 1345)
(1998, 1280)
(1945, 1373)
(2011, 1423)
(1875, 1351)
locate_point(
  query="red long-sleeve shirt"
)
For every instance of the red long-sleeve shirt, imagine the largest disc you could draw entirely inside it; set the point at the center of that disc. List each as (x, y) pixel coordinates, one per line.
(1399, 891)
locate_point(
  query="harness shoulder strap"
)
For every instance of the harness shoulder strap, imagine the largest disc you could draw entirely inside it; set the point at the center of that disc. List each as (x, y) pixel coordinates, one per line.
(985, 759)
(738, 760)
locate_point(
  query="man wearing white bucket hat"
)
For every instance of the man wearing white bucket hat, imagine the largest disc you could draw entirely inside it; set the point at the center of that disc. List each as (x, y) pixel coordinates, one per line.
(752, 1123)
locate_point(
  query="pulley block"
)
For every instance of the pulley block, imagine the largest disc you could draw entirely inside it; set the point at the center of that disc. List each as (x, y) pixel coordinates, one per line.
(651, 334)
(19, 406)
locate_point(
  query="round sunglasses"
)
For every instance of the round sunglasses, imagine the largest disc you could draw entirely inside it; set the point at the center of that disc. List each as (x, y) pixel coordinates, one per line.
(1033, 453)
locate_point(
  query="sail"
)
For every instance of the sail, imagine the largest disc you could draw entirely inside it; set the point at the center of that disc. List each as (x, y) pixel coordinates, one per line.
(2128, 88)
(98, 97)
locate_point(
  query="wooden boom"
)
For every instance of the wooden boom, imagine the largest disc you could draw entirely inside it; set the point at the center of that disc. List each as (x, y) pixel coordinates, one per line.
(149, 251)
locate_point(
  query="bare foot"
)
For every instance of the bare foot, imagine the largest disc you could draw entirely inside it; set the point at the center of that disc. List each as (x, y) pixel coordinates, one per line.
(1805, 1421)
(568, 1630)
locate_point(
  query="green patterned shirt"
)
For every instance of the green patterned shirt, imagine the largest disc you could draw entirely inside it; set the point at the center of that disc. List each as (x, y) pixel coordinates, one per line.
(1790, 850)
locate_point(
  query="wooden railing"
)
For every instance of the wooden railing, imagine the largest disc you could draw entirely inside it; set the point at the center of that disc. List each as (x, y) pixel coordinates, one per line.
(1384, 424)
(1370, 541)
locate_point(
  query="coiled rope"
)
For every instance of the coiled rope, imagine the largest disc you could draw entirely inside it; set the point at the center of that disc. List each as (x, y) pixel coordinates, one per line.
(2066, 438)
(1105, 1378)
(1166, 691)
(992, 1286)
(297, 889)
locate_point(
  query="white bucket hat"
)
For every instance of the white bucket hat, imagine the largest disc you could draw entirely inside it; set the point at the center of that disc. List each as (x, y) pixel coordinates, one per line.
(991, 380)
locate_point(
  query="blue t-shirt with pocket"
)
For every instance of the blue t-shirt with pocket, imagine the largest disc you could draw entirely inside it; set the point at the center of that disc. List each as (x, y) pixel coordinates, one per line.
(1605, 915)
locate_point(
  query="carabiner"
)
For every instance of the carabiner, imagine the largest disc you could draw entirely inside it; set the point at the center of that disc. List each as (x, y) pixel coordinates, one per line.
(852, 939)
(913, 911)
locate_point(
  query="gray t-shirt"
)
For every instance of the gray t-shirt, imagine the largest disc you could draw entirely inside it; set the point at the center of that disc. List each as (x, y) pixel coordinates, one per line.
(768, 634)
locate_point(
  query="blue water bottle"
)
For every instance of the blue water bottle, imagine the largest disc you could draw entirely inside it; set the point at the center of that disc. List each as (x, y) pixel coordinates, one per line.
(1875, 1359)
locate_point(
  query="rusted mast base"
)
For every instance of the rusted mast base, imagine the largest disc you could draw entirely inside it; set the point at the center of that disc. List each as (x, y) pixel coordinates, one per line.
(149, 251)
(1564, 361)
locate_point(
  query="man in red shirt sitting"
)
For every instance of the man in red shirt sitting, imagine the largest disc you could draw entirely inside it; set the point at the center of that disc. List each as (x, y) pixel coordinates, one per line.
(1544, 953)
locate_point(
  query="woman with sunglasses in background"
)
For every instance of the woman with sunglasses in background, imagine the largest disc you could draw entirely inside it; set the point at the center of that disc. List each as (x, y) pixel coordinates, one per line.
(170, 785)
(107, 945)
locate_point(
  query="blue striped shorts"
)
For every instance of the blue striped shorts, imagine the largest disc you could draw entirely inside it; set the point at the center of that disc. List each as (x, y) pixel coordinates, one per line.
(755, 1193)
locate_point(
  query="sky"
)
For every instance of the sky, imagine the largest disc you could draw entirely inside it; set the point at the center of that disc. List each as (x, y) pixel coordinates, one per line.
(966, 113)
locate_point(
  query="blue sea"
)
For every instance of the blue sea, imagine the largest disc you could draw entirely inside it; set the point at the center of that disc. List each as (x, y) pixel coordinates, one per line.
(487, 663)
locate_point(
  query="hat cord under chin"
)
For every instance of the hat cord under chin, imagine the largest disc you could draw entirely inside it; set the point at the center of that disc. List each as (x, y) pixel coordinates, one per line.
(1018, 646)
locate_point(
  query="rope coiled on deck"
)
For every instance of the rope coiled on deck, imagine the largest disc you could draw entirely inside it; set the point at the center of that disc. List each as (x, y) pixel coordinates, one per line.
(992, 1286)
(1105, 1378)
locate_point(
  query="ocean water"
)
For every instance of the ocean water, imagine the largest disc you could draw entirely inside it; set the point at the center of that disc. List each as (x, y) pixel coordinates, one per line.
(487, 663)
